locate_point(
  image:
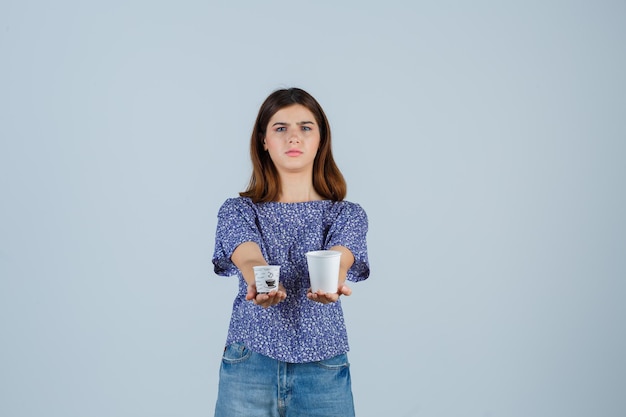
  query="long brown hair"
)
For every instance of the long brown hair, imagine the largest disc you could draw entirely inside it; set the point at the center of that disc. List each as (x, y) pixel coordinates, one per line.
(264, 182)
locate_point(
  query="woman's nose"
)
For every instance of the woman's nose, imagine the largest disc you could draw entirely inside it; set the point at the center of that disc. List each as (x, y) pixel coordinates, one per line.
(294, 138)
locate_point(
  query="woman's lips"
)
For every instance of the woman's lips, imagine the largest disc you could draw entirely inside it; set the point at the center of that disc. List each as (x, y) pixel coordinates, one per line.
(293, 152)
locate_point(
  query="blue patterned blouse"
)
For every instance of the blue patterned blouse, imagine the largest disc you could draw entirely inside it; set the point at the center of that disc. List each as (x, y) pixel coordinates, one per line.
(296, 330)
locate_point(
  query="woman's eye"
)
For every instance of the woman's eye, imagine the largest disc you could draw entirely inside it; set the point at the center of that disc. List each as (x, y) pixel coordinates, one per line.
(281, 129)
(306, 128)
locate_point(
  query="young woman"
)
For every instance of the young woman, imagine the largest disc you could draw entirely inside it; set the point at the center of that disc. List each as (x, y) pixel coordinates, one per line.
(286, 351)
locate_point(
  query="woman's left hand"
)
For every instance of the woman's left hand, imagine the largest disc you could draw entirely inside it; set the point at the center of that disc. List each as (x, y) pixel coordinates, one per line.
(328, 297)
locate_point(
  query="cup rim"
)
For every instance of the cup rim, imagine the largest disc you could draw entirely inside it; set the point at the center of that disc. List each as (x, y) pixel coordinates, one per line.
(323, 253)
(265, 266)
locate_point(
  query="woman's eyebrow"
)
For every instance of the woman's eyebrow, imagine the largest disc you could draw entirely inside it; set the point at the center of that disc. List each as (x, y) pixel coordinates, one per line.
(306, 122)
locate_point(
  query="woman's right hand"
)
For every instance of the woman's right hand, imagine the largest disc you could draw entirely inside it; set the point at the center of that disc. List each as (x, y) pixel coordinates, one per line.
(266, 300)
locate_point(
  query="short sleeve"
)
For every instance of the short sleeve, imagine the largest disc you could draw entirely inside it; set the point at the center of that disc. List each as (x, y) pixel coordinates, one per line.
(236, 224)
(349, 229)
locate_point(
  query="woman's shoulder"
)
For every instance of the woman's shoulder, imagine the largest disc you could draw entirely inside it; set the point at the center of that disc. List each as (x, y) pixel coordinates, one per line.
(347, 208)
(238, 201)
(236, 204)
(347, 205)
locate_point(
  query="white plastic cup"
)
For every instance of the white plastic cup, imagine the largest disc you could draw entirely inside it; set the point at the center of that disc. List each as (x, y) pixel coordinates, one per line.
(266, 278)
(324, 270)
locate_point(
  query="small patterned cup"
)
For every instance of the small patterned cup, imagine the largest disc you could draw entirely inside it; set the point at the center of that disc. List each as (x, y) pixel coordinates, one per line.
(266, 278)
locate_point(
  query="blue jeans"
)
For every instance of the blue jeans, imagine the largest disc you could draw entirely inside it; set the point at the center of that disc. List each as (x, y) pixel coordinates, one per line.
(253, 385)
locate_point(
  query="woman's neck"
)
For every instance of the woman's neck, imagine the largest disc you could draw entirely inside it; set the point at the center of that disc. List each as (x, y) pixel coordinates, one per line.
(297, 189)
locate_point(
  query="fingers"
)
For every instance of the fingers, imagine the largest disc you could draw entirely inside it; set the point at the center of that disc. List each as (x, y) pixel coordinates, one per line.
(327, 297)
(269, 299)
(345, 290)
(265, 300)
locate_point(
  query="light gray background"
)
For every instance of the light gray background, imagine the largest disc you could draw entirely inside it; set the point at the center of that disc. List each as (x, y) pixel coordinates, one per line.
(486, 140)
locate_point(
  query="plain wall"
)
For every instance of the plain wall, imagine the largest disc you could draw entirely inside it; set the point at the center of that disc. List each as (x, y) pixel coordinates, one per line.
(485, 140)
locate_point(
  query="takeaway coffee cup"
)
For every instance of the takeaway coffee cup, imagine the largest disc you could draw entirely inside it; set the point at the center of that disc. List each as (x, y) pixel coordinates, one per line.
(266, 278)
(324, 270)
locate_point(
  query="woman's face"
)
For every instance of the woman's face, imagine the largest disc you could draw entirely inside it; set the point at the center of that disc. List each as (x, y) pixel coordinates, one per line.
(292, 139)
